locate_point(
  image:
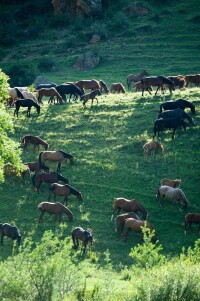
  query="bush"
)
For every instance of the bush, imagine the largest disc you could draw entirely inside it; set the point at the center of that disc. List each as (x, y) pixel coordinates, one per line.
(46, 64)
(21, 74)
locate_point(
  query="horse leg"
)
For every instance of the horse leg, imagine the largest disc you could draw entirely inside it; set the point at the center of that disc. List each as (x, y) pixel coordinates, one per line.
(59, 166)
(41, 216)
(157, 90)
(2, 235)
(173, 133)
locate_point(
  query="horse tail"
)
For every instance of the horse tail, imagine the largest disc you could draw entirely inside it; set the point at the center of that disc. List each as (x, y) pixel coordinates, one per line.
(33, 179)
(186, 223)
(23, 139)
(66, 155)
(19, 94)
(61, 178)
(73, 239)
(158, 193)
(40, 158)
(19, 238)
(143, 210)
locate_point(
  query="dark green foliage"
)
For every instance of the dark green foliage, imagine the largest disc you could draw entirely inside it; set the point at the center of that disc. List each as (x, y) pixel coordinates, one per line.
(21, 74)
(45, 64)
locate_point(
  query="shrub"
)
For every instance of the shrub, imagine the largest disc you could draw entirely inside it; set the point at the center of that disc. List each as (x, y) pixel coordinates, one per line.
(45, 64)
(21, 74)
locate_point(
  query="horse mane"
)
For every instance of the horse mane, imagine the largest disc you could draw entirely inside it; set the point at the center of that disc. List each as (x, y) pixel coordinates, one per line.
(73, 190)
(66, 155)
(40, 155)
(61, 178)
(19, 93)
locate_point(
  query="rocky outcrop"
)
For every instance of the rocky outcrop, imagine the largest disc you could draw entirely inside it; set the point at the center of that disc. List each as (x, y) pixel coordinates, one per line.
(40, 79)
(136, 10)
(87, 61)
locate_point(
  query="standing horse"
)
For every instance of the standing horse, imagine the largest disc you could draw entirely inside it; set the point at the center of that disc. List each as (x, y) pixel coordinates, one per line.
(54, 208)
(92, 95)
(193, 79)
(103, 87)
(135, 78)
(55, 156)
(35, 140)
(11, 232)
(14, 94)
(68, 89)
(51, 92)
(91, 84)
(29, 95)
(128, 206)
(192, 218)
(178, 80)
(85, 236)
(64, 190)
(158, 81)
(175, 194)
(177, 104)
(117, 87)
(120, 221)
(49, 177)
(28, 103)
(177, 113)
(170, 123)
(152, 146)
(36, 166)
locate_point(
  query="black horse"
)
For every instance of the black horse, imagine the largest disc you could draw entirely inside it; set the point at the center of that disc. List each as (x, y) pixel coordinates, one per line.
(26, 103)
(46, 86)
(177, 113)
(68, 89)
(159, 81)
(171, 123)
(84, 235)
(177, 104)
(10, 231)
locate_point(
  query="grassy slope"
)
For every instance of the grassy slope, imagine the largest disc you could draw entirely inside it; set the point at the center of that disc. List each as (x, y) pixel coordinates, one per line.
(107, 140)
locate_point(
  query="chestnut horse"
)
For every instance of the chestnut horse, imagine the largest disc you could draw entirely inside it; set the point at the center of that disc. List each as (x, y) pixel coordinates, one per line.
(91, 84)
(55, 156)
(175, 194)
(85, 236)
(120, 221)
(35, 140)
(92, 95)
(193, 79)
(192, 218)
(64, 190)
(171, 183)
(47, 177)
(54, 208)
(178, 80)
(117, 87)
(158, 81)
(135, 78)
(152, 146)
(51, 92)
(11, 232)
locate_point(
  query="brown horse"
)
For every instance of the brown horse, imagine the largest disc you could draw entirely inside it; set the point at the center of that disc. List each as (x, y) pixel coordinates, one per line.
(120, 221)
(117, 87)
(92, 95)
(138, 87)
(152, 146)
(36, 166)
(136, 226)
(158, 81)
(91, 84)
(192, 218)
(11, 232)
(64, 190)
(85, 236)
(136, 78)
(51, 92)
(178, 80)
(193, 79)
(55, 156)
(54, 208)
(128, 206)
(49, 177)
(35, 140)
(103, 87)
(172, 183)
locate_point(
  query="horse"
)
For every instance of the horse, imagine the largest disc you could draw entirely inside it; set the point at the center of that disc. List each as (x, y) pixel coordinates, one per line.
(128, 206)
(193, 79)
(64, 190)
(54, 208)
(92, 95)
(29, 103)
(46, 86)
(177, 113)
(192, 218)
(68, 89)
(177, 104)
(55, 156)
(85, 236)
(136, 226)
(35, 140)
(172, 183)
(117, 87)
(36, 166)
(178, 80)
(47, 177)
(171, 123)
(51, 92)
(120, 220)
(175, 194)
(29, 95)
(10, 170)
(14, 94)
(135, 78)
(11, 232)
(138, 87)
(91, 84)
(152, 146)
(103, 87)
(158, 81)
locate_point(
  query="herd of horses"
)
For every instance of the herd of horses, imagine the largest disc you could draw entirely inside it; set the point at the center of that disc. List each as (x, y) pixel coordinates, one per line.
(171, 116)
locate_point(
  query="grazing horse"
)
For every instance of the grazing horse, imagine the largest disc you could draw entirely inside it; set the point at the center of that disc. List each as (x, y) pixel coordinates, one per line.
(64, 190)
(51, 92)
(92, 95)
(177, 113)
(29, 95)
(54, 208)
(55, 156)
(85, 236)
(68, 89)
(35, 140)
(128, 206)
(11, 232)
(103, 87)
(177, 104)
(136, 226)
(172, 183)
(14, 94)
(120, 221)
(178, 80)
(117, 87)
(171, 123)
(91, 84)
(158, 81)
(175, 194)
(193, 79)
(138, 87)
(135, 78)
(36, 166)
(152, 146)
(29, 103)
(47, 177)
(192, 218)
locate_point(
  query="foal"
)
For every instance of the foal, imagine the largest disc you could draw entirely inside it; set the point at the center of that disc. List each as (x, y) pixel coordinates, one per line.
(92, 95)
(35, 140)
(84, 235)
(152, 146)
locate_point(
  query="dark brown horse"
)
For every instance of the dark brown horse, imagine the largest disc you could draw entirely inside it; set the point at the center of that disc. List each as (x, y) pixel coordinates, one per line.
(92, 95)
(91, 84)
(192, 218)
(55, 156)
(84, 235)
(35, 140)
(28, 103)
(120, 221)
(36, 166)
(193, 79)
(54, 208)
(64, 190)
(178, 80)
(158, 81)
(117, 87)
(10, 231)
(49, 177)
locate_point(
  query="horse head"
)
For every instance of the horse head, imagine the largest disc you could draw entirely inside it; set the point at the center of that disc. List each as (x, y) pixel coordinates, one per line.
(80, 196)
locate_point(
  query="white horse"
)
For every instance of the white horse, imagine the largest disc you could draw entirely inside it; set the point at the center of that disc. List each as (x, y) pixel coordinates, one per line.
(175, 194)
(30, 95)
